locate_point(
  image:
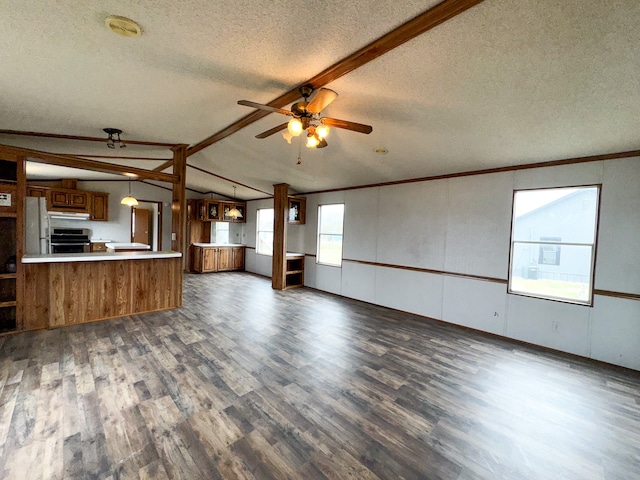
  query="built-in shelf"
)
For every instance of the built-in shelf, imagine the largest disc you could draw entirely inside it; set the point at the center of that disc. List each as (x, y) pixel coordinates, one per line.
(8, 275)
(8, 304)
(294, 271)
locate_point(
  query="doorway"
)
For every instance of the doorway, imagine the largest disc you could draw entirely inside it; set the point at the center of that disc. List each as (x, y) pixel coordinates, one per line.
(146, 224)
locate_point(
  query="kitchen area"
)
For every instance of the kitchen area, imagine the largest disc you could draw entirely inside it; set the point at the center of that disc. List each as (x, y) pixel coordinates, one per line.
(73, 253)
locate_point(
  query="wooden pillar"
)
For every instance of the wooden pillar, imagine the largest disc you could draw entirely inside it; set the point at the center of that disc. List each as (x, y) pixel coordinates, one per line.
(279, 260)
(179, 202)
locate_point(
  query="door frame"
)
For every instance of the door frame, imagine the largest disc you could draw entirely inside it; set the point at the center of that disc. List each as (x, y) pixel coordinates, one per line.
(159, 205)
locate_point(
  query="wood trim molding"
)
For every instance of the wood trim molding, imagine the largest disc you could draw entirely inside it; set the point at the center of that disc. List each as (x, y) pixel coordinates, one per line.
(113, 157)
(420, 24)
(608, 293)
(83, 163)
(228, 179)
(527, 166)
(85, 139)
(428, 270)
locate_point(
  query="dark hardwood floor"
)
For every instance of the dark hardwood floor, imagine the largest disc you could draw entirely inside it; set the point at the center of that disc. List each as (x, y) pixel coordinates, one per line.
(247, 382)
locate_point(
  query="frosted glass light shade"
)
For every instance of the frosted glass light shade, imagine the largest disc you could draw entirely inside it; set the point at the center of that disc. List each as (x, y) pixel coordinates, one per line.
(295, 127)
(322, 131)
(130, 201)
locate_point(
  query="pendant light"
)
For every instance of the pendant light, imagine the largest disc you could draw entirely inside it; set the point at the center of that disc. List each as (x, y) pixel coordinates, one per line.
(129, 200)
(234, 212)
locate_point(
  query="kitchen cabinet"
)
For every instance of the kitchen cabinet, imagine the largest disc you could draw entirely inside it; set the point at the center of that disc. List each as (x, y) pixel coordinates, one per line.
(76, 200)
(227, 206)
(224, 259)
(297, 210)
(238, 258)
(212, 258)
(36, 191)
(9, 242)
(211, 211)
(98, 246)
(99, 210)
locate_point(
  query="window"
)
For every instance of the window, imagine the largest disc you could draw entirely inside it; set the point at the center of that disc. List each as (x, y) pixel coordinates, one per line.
(222, 232)
(330, 227)
(553, 243)
(264, 243)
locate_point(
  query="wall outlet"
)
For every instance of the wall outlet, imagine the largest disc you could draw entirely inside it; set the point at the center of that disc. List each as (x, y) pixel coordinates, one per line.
(173, 236)
(555, 326)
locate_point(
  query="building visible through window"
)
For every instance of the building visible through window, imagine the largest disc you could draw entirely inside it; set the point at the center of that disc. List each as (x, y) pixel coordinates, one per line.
(553, 243)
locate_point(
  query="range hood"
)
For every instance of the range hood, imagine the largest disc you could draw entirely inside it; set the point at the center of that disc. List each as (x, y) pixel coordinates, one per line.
(68, 216)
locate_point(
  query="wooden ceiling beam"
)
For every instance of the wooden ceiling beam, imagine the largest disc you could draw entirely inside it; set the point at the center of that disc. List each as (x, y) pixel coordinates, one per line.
(227, 179)
(85, 164)
(420, 24)
(165, 165)
(113, 157)
(86, 139)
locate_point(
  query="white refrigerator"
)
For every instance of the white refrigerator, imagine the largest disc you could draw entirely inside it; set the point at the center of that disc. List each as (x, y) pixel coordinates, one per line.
(36, 226)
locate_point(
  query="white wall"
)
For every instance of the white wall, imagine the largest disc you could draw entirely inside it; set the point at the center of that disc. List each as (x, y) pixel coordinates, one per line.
(118, 228)
(462, 226)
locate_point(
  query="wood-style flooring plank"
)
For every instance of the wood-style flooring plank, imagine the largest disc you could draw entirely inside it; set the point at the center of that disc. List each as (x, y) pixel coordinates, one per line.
(248, 383)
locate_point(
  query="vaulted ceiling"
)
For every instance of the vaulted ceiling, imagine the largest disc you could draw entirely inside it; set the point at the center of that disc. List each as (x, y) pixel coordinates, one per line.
(504, 83)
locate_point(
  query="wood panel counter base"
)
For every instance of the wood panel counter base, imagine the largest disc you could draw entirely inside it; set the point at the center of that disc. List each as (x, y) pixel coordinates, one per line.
(69, 293)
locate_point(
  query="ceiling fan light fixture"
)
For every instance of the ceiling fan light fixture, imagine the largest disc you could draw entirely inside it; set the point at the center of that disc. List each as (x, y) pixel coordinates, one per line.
(287, 136)
(322, 131)
(295, 127)
(312, 141)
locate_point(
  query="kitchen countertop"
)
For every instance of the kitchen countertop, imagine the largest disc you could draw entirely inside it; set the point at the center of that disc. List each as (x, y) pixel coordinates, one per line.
(128, 246)
(218, 244)
(97, 256)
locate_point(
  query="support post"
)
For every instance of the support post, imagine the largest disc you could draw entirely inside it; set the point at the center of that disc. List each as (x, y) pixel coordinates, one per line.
(179, 202)
(279, 260)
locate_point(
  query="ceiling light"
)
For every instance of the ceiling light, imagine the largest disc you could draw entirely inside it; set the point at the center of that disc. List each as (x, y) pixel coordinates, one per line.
(295, 127)
(113, 138)
(287, 136)
(312, 140)
(234, 212)
(125, 27)
(322, 131)
(381, 150)
(129, 200)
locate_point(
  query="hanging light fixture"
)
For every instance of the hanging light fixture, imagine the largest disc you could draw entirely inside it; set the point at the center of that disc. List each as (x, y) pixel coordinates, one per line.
(129, 200)
(234, 212)
(113, 138)
(295, 127)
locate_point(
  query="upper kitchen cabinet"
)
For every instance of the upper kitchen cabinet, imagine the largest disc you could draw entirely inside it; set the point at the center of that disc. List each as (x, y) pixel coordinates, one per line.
(297, 210)
(226, 208)
(99, 207)
(72, 200)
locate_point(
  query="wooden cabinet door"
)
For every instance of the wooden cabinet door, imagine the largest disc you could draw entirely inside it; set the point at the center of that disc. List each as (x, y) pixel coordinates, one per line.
(238, 258)
(224, 259)
(78, 200)
(36, 192)
(58, 199)
(209, 259)
(99, 207)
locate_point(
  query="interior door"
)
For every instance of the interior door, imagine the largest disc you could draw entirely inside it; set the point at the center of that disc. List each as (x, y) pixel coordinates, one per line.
(141, 228)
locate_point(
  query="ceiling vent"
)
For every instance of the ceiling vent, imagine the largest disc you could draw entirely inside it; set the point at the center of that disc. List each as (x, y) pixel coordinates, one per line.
(123, 26)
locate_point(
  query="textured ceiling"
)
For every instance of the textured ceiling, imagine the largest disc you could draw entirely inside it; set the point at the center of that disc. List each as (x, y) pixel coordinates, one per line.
(505, 83)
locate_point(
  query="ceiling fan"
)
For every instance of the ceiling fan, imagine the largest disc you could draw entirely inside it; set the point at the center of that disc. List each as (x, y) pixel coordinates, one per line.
(306, 116)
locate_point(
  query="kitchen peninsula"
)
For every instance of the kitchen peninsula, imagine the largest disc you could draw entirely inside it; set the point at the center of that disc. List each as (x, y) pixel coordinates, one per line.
(67, 289)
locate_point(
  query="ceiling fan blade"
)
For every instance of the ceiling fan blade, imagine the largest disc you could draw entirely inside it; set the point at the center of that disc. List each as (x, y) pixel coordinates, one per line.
(247, 103)
(323, 143)
(356, 127)
(273, 130)
(321, 99)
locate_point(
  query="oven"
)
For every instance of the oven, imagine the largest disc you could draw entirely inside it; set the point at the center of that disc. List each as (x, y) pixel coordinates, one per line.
(70, 240)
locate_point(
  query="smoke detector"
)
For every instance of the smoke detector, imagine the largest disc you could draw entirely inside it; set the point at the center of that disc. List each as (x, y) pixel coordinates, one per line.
(123, 26)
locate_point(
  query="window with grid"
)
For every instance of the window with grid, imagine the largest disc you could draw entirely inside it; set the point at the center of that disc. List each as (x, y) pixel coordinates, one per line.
(330, 230)
(553, 243)
(264, 237)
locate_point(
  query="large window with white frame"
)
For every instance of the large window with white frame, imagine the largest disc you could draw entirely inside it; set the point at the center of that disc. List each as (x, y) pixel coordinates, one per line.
(264, 235)
(553, 243)
(330, 232)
